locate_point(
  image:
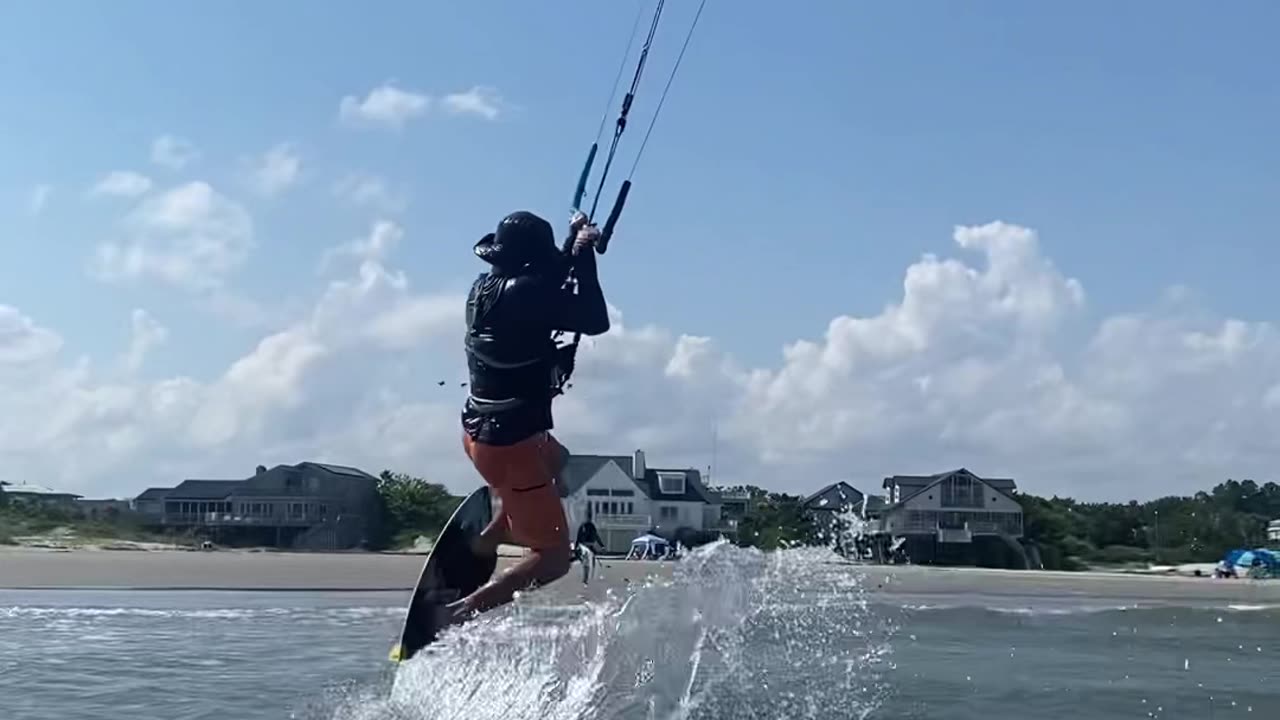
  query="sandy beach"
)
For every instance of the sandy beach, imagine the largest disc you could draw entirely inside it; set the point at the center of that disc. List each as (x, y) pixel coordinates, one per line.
(281, 571)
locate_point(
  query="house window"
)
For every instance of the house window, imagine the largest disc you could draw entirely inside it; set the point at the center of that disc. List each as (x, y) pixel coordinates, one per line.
(669, 512)
(962, 491)
(622, 493)
(597, 492)
(671, 483)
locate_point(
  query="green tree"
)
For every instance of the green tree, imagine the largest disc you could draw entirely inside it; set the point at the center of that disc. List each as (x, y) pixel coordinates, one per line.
(1172, 529)
(775, 520)
(411, 507)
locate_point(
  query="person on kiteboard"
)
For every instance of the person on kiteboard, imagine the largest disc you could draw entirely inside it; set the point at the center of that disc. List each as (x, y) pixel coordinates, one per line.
(516, 369)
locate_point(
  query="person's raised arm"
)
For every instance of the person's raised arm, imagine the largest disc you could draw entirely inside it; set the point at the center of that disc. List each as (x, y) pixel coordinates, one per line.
(584, 312)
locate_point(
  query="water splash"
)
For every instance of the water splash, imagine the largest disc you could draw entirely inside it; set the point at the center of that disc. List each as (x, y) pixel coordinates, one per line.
(735, 633)
(847, 530)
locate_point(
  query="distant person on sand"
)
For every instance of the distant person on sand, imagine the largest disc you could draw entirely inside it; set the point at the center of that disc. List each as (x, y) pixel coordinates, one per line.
(589, 537)
(586, 546)
(512, 311)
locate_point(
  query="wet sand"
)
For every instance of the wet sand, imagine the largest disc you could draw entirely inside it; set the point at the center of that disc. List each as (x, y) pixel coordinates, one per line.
(278, 571)
(272, 571)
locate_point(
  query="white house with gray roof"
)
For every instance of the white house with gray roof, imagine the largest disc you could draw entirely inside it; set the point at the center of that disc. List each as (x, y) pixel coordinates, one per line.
(625, 498)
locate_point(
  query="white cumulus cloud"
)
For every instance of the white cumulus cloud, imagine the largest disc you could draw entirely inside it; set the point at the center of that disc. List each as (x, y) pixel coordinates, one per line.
(276, 170)
(173, 152)
(148, 334)
(189, 236)
(122, 183)
(970, 366)
(370, 191)
(382, 238)
(384, 106)
(481, 101)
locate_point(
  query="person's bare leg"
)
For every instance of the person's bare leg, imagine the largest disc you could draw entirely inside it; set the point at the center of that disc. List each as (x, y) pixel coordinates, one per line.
(497, 532)
(538, 568)
(541, 565)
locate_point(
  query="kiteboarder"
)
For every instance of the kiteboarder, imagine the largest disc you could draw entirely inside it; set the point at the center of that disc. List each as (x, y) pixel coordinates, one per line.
(516, 369)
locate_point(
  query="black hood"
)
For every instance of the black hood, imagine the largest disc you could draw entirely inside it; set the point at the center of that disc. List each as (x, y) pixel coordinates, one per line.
(522, 240)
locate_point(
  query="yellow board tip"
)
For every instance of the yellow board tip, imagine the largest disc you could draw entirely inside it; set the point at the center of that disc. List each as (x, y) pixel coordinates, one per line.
(397, 653)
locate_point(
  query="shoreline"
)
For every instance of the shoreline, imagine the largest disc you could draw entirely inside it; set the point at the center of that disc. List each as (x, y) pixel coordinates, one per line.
(24, 569)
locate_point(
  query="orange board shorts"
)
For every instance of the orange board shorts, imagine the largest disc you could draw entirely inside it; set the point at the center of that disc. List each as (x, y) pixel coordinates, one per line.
(524, 478)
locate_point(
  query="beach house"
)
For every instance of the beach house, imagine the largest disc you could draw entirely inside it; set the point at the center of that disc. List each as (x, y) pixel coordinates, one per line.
(940, 517)
(625, 498)
(313, 506)
(841, 498)
(1273, 532)
(841, 513)
(24, 493)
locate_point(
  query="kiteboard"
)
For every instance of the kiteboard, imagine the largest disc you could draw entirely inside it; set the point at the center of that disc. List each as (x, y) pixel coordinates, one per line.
(450, 573)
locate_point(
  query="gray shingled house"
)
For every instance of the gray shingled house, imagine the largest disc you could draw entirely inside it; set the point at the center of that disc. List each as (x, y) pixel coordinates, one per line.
(937, 516)
(312, 506)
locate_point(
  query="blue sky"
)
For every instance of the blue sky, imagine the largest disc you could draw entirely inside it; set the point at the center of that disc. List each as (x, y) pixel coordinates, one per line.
(805, 157)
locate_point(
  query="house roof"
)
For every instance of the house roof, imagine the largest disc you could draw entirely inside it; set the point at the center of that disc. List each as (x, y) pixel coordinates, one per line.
(840, 495)
(834, 495)
(581, 468)
(913, 485)
(155, 493)
(346, 470)
(202, 489)
(219, 489)
(694, 490)
(25, 488)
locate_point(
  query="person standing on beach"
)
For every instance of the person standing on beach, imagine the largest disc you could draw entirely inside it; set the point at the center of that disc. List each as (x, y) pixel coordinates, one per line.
(585, 547)
(514, 364)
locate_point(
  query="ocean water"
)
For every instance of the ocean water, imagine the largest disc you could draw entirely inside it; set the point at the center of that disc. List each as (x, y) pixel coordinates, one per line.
(736, 634)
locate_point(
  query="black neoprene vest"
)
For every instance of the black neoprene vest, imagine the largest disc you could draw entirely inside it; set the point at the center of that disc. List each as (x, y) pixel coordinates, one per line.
(510, 356)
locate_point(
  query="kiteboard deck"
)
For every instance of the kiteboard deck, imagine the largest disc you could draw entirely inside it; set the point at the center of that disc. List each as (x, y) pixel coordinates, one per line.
(451, 572)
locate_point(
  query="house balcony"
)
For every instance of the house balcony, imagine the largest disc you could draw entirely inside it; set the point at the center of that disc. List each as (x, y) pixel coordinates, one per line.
(903, 527)
(624, 522)
(231, 520)
(955, 535)
(986, 528)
